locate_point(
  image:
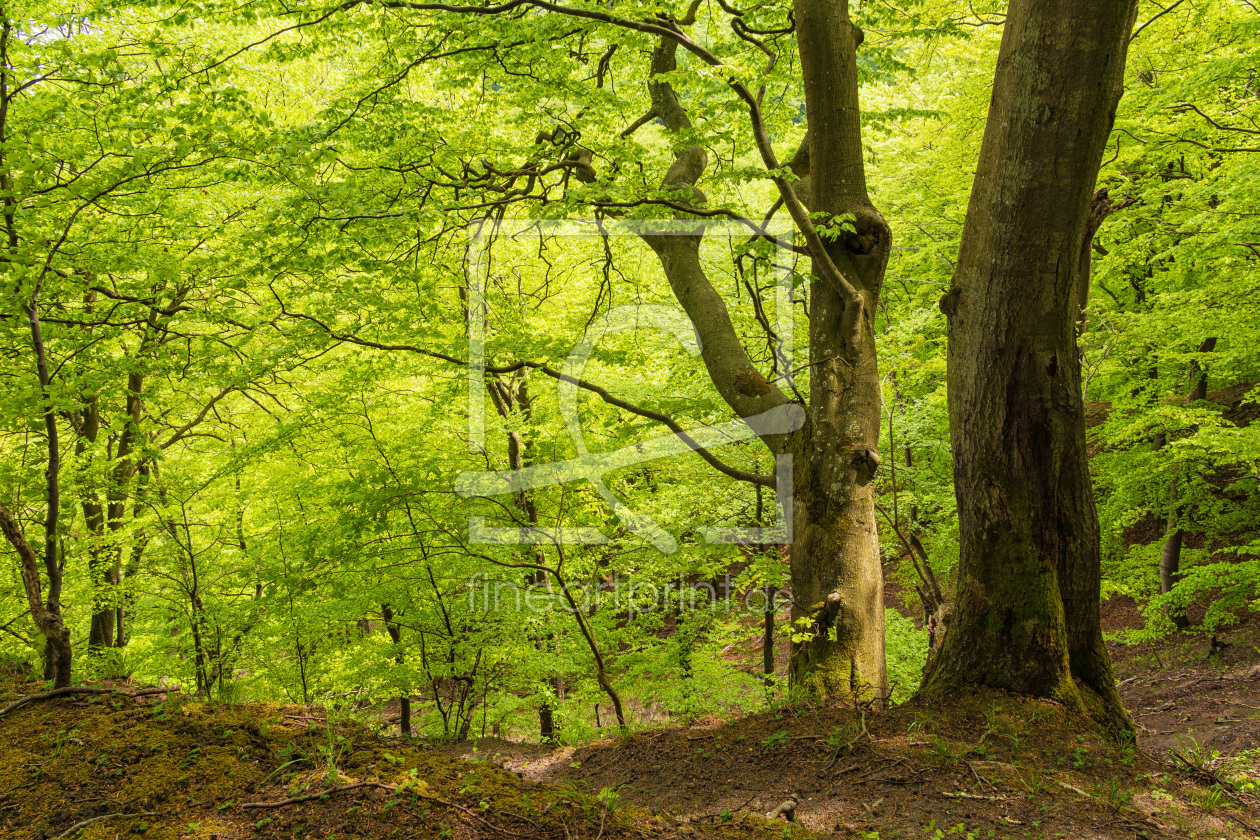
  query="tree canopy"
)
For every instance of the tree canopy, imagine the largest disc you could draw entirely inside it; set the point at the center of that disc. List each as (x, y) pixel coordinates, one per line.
(548, 363)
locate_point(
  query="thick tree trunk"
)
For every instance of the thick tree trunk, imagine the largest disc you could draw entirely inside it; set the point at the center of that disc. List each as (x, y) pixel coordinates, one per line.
(1026, 611)
(837, 581)
(836, 577)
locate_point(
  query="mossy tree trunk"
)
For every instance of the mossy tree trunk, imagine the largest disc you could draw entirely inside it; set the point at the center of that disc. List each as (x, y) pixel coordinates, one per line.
(837, 582)
(1026, 615)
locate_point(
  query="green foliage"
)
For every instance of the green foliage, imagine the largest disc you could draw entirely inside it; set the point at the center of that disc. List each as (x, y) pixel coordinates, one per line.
(905, 646)
(252, 253)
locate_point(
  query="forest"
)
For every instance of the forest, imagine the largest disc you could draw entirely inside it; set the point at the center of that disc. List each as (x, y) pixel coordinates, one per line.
(556, 371)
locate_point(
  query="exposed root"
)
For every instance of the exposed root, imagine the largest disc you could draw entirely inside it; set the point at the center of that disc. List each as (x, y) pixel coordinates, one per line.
(81, 689)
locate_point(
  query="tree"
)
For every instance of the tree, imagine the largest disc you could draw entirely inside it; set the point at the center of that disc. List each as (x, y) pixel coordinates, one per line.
(1026, 615)
(836, 574)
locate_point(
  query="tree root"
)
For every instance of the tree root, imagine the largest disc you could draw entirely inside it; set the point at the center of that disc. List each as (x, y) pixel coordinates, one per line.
(81, 689)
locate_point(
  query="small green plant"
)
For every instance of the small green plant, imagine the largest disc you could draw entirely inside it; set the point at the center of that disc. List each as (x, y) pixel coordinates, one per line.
(471, 781)
(334, 746)
(1114, 794)
(775, 741)
(610, 799)
(1196, 755)
(944, 751)
(1211, 798)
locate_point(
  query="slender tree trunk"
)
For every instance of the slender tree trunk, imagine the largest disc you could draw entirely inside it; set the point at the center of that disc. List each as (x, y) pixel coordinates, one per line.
(513, 402)
(1170, 569)
(1026, 610)
(394, 629)
(46, 613)
(125, 469)
(56, 634)
(1198, 376)
(767, 639)
(837, 580)
(1170, 555)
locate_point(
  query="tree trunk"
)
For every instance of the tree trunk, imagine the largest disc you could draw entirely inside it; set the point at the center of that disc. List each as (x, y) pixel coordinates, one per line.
(394, 629)
(56, 634)
(1170, 555)
(1170, 570)
(1198, 376)
(837, 580)
(1026, 610)
(767, 639)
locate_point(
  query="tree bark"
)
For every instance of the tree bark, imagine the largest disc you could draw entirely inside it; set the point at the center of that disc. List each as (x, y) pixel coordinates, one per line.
(837, 580)
(767, 637)
(1170, 555)
(394, 629)
(56, 634)
(1170, 568)
(1198, 376)
(1101, 207)
(1026, 612)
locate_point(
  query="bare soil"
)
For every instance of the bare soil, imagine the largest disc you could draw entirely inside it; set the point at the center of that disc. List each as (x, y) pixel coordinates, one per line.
(990, 766)
(995, 766)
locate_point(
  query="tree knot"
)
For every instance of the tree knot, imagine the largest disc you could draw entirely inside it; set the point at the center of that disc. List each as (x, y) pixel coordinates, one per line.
(866, 461)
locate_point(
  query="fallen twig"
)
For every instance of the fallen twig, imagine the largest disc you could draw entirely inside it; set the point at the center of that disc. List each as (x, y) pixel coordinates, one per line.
(279, 803)
(1071, 787)
(82, 689)
(979, 779)
(84, 823)
(962, 794)
(881, 768)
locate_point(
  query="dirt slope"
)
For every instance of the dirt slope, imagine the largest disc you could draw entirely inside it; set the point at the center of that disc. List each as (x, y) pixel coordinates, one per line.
(114, 766)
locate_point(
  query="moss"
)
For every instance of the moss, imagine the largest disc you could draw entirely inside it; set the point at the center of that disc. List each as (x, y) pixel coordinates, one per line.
(194, 765)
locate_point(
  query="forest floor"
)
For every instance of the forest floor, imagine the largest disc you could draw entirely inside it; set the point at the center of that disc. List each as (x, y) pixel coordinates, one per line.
(165, 766)
(996, 766)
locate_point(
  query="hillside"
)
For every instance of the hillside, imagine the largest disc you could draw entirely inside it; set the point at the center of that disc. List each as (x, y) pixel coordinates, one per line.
(157, 765)
(161, 766)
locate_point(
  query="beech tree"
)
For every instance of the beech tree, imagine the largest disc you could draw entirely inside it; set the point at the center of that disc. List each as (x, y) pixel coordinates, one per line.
(836, 575)
(1026, 614)
(587, 166)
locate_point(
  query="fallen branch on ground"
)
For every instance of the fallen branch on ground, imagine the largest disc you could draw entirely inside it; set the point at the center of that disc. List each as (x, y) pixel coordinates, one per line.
(962, 794)
(294, 800)
(81, 689)
(84, 823)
